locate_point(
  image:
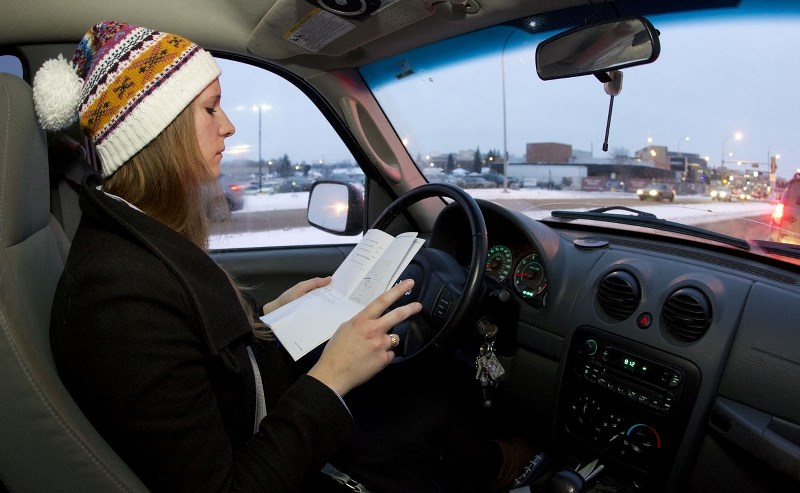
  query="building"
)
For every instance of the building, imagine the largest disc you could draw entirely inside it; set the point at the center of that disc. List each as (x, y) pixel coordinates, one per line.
(548, 152)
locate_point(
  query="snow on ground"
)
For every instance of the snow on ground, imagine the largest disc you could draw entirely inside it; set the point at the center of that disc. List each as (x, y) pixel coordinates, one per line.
(687, 213)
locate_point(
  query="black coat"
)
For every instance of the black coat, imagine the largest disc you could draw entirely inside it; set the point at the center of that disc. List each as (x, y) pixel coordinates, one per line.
(150, 339)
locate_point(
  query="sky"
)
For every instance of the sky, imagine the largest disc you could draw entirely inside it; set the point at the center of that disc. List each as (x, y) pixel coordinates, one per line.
(708, 83)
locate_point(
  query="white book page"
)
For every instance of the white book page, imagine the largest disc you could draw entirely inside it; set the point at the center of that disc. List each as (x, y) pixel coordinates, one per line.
(369, 270)
(360, 260)
(311, 320)
(387, 269)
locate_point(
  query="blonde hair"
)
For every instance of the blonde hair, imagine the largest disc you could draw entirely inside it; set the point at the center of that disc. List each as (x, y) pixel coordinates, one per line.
(169, 180)
(166, 179)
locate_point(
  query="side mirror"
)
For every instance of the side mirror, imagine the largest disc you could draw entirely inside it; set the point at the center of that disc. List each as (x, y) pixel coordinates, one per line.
(336, 207)
(598, 48)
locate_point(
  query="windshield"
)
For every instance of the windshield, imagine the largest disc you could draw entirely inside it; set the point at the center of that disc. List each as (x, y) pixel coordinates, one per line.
(715, 112)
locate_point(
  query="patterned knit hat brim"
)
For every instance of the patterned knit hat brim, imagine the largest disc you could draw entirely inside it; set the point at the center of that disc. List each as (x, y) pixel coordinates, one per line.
(126, 83)
(135, 126)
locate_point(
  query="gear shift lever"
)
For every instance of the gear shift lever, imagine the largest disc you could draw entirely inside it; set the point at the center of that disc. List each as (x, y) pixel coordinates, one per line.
(565, 481)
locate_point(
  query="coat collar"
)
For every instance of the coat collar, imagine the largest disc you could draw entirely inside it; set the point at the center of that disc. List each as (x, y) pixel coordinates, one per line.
(204, 280)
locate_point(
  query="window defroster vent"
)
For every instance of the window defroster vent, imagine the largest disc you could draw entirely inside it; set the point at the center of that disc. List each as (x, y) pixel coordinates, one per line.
(619, 294)
(687, 314)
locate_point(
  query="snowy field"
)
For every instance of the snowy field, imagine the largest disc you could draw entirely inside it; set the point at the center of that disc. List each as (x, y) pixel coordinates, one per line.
(704, 211)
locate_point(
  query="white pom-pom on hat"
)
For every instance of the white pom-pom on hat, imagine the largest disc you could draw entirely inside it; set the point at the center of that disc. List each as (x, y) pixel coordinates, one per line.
(56, 94)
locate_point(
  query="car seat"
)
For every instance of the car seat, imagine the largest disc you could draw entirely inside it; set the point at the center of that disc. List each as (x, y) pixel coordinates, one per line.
(46, 443)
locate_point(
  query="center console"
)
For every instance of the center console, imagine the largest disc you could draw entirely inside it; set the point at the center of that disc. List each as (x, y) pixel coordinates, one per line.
(626, 403)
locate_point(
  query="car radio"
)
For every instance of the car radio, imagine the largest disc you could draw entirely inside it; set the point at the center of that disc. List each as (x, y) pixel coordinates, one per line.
(628, 401)
(629, 374)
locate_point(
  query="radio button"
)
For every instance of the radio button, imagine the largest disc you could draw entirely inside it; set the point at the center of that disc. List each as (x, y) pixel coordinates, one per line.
(589, 347)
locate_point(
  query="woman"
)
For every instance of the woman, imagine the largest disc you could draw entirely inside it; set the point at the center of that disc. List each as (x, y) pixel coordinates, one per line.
(159, 347)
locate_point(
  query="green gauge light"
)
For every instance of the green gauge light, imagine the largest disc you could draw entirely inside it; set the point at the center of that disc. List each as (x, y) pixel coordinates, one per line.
(529, 278)
(499, 262)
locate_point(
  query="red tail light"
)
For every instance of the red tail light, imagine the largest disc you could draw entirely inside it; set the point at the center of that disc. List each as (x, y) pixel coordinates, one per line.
(235, 188)
(777, 214)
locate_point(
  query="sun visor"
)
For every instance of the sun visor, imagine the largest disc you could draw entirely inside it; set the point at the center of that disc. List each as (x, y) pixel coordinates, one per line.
(291, 28)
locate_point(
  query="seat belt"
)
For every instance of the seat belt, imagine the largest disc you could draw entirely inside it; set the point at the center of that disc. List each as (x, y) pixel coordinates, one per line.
(68, 167)
(261, 413)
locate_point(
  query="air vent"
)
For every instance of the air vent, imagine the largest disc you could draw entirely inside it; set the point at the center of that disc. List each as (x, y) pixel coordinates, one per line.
(687, 314)
(619, 294)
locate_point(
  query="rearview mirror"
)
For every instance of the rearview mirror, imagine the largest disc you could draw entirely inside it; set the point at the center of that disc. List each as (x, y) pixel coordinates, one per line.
(336, 207)
(598, 48)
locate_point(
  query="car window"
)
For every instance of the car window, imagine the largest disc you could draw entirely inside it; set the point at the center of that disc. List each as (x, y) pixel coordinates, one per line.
(282, 144)
(10, 64)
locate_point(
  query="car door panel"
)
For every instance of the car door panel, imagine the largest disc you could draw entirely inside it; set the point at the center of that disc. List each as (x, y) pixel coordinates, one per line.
(269, 272)
(753, 429)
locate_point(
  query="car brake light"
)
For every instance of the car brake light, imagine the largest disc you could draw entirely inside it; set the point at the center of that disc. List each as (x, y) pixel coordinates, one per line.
(235, 188)
(777, 214)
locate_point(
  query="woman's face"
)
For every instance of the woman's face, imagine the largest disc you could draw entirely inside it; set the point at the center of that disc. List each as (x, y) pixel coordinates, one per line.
(211, 125)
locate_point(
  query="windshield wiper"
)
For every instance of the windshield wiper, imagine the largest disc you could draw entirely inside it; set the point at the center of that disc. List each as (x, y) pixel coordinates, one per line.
(641, 218)
(784, 249)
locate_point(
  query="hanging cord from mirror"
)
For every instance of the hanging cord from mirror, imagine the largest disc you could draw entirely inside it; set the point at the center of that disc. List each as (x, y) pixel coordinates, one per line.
(612, 84)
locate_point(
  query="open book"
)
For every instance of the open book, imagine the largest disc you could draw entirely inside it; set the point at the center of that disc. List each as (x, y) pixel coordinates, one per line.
(371, 268)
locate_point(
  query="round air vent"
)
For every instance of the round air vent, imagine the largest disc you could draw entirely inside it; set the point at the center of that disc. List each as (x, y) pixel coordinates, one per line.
(687, 314)
(619, 294)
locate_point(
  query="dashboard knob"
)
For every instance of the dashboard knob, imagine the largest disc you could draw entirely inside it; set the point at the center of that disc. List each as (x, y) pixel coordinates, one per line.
(589, 347)
(643, 438)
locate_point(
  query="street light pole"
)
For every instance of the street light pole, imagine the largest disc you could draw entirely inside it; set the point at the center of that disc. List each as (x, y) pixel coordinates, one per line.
(260, 108)
(503, 88)
(685, 161)
(737, 136)
(681, 140)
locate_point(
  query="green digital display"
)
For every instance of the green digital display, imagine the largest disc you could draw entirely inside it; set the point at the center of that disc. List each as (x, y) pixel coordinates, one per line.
(634, 365)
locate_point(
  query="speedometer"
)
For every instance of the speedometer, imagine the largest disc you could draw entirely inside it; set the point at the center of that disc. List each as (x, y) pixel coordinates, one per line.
(529, 278)
(498, 262)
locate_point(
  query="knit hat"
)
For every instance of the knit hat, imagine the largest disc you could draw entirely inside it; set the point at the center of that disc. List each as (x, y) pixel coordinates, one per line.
(126, 83)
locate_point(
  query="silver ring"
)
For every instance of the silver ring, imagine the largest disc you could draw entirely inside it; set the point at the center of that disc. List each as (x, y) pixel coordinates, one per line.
(395, 340)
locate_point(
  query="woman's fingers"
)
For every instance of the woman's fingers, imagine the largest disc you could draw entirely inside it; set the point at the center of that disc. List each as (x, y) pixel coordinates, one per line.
(361, 347)
(295, 292)
(385, 300)
(303, 287)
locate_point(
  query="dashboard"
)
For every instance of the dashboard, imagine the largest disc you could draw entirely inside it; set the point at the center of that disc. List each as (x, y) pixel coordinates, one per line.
(651, 347)
(513, 260)
(519, 268)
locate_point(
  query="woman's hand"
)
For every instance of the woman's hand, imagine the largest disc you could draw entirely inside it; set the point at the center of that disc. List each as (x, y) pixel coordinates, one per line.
(361, 347)
(295, 292)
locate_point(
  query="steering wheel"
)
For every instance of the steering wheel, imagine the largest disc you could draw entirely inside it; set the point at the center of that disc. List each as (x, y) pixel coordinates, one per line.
(448, 292)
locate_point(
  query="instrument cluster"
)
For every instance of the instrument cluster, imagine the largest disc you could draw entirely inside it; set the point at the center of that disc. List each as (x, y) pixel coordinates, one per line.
(519, 268)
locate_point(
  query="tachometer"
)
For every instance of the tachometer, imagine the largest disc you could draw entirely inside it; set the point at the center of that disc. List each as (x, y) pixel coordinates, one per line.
(498, 262)
(529, 278)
